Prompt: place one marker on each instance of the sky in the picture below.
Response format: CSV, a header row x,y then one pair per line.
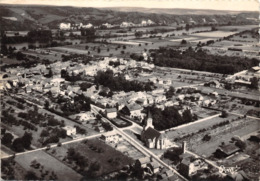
x,y
236,5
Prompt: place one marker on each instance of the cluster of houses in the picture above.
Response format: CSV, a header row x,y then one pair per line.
x,y
77,26
143,23
74,26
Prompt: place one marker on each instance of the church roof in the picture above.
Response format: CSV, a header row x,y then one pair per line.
x,y
151,133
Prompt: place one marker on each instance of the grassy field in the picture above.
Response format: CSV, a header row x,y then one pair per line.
x,y
196,127
214,34
86,149
209,147
49,164
221,134
115,48
239,28
9,61
52,56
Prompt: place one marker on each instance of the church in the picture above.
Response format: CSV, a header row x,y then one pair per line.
x,y
151,137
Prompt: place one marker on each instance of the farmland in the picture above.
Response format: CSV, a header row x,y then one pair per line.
x,y
241,127
93,151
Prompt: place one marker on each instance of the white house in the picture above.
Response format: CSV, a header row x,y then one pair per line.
x,y
110,137
108,25
143,23
65,26
159,98
87,26
86,116
111,113
150,22
70,131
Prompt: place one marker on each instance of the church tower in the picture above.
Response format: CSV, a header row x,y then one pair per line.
x,y
149,122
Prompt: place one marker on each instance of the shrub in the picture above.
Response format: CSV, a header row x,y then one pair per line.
x,y
206,137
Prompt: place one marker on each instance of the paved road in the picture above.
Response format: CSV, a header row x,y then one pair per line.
x,y
237,114
54,145
133,123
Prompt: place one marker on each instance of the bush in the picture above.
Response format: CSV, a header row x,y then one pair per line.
x,y
7,139
240,144
206,137
18,145
224,114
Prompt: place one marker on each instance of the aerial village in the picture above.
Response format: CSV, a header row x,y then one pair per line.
x,y
80,112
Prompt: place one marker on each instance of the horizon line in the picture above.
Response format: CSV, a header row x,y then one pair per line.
x,y
97,7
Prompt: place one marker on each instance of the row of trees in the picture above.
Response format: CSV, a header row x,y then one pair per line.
x,y
32,36
19,144
200,60
48,136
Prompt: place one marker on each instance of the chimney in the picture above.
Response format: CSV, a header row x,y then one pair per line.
x,y
184,146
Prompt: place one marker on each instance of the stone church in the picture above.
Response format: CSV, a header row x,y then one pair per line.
x,y
151,137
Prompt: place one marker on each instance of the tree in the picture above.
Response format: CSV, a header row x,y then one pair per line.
x,y
26,140
46,104
206,137
63,73
224,114
254,83
138,34
170,92
50,74
240,144
3,130
93,169
30,175
187,27
183,42
7,139
4,49
18,145
187,116
44,133
20,56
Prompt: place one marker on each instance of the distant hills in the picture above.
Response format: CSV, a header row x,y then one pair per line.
x,y
26,17
176,11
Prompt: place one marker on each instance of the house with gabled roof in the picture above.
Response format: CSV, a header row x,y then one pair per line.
x,y
133,110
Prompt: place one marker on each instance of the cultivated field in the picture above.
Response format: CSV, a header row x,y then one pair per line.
x,y
49,164
236,28
214,34
94,150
